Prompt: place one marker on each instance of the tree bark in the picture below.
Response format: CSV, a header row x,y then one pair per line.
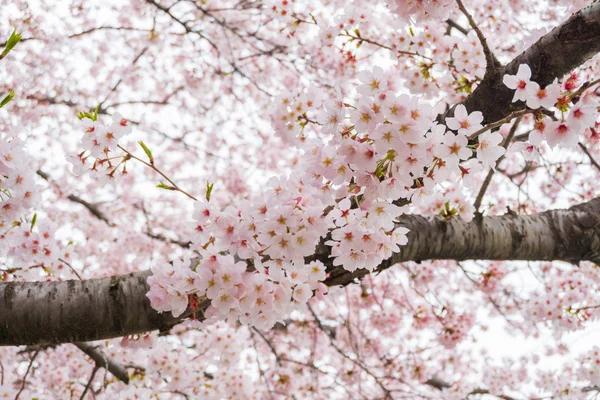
x,y
80,311
77,311
571,235
566,47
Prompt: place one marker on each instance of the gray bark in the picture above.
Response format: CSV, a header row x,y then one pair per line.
x,y
77,311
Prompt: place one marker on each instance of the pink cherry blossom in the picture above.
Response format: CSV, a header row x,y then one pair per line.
x,y
546,97
463,122
248,173
489,149
520,83
562,133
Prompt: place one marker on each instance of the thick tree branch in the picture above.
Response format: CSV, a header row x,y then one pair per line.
x,y
571,235
76,311
72,311
566,47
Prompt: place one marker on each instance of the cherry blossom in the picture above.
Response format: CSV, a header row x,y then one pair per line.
x,y
489,149
463,122
256,167
562,133
546,97
521,83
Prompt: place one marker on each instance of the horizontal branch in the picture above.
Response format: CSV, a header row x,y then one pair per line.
x,y
571,235
75,311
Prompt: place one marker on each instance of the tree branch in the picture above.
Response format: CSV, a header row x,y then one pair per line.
x,y
589,155
104,361
488,178
491,62
74,311
566,47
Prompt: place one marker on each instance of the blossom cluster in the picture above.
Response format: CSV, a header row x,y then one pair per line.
x,y
25,240
456,327
421,9
381,337
252,266
358,162
99,143
568,301
575,114
589,368
18,193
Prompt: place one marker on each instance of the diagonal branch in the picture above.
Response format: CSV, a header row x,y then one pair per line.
x,y
566,47
96,212
589,155
104,361
492,63
492,171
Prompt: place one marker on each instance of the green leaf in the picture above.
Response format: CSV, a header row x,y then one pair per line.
x,y
92,114
85,114
33,221
163,185
209,189
11,43
147,151
7,99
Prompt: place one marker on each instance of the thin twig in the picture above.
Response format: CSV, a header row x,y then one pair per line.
x,y
185,25
492,63
357,362
95,211
71,267
173,185
268,342
587,153
27,373
92,208
383,46
488,178
585,87
89,384
453,24
501,122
